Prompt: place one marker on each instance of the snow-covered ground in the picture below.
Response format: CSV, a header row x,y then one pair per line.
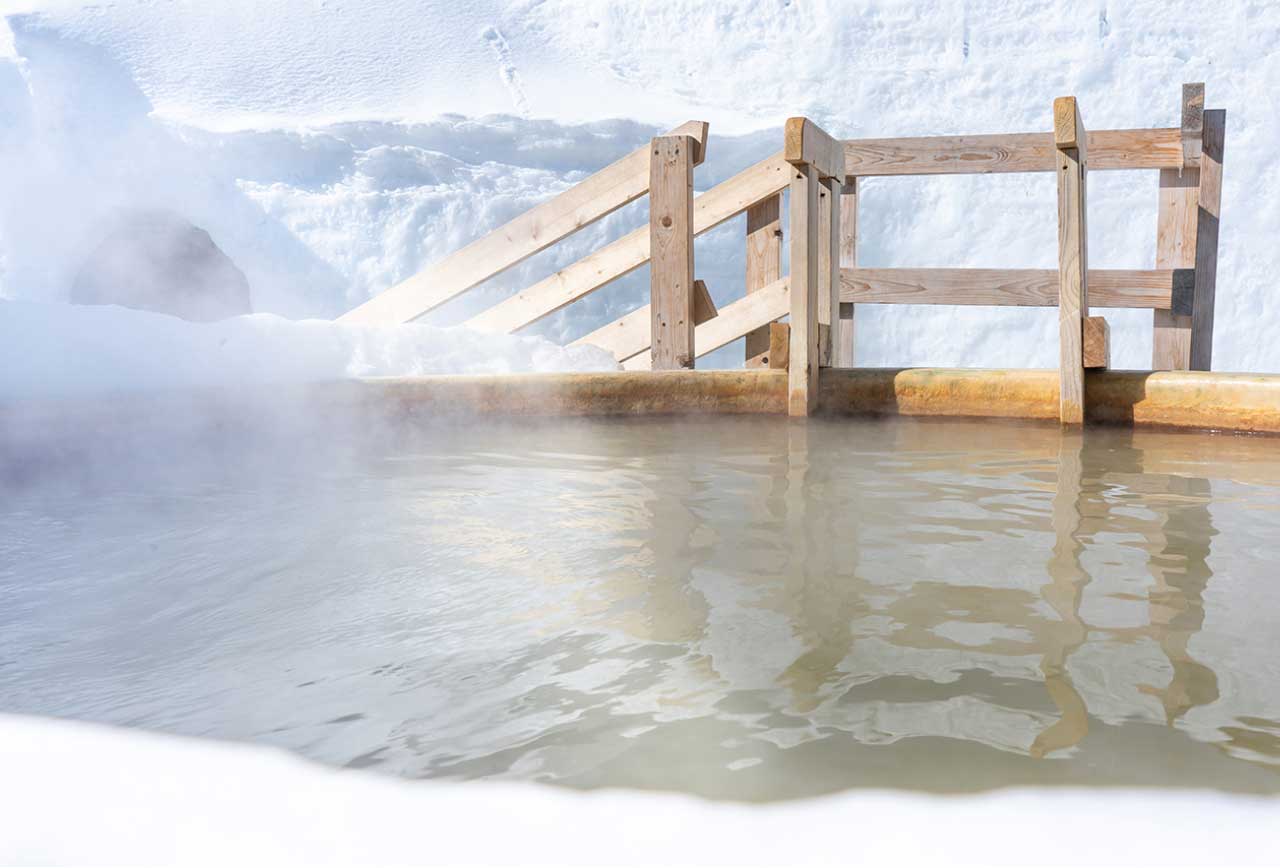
x,y
333,148
153,799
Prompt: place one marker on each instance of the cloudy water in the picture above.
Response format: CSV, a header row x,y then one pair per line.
x,y
738,608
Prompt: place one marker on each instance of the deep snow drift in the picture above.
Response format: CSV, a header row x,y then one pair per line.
x,y
334,149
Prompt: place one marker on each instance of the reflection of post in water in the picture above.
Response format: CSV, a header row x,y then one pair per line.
x,y
1064,591
1178,562
822,593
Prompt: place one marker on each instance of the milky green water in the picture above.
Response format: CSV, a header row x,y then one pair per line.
x,y
739,608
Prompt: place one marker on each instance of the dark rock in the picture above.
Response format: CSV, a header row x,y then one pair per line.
x,y
156,260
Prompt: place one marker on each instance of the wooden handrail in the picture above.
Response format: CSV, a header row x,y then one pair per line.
x,y
604,192
1158,288
1012,152
723,201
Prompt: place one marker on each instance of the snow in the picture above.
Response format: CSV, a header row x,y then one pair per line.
x,y
149,798
334,148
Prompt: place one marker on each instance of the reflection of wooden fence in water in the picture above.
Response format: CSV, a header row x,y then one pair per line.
x,y
825,283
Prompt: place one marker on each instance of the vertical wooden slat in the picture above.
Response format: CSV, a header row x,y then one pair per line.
x,y
764,265
802,373
1210,201
1176,226
848,259
829,270
671,252
1073,257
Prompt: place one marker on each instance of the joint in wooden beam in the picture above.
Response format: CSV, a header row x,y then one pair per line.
x,y
1182,298
704,307
1097,342
779,357
808,145
1192,123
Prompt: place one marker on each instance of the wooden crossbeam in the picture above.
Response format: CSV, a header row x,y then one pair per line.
x,y
1012,152
807,144
732,322
720,203
538,228
1164,288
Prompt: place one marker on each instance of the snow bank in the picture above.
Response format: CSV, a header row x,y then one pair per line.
x,y
80,793
55,350
316,143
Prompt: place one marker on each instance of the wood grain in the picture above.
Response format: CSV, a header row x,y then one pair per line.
x,y
720,203
1207,215
848,260
1073,257
1010,152
764,265
828,268
1097,342
704,306
1014,287
538,228
802,374
1192,123
671,253
1176,223
807,144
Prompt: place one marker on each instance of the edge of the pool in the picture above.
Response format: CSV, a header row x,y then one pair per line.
x,y
1169,399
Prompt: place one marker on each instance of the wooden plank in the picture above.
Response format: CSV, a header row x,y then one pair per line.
x,y
828,268
1073,257
671,253
848,260
1013,287
807,144
704,306
1009,152
1207,214
1177,217
1192,123
734,321
631,251
802,375
538,228
1097,342
779,346
764,265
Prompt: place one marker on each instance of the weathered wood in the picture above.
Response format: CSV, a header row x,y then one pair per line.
x,y
538,228
631,251
802,208
1097,342
828,269
764,264
1192,123
848,260
671,291
1073,257
1177,217
704,306
807,144
1010,152
733,321
1207,214
779,346
1020,287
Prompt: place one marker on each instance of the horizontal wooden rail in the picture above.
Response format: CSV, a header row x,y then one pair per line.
x,y
720,203
603,193
1162,288
733,321
1013,152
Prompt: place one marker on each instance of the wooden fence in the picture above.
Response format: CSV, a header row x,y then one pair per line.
x,y
820,174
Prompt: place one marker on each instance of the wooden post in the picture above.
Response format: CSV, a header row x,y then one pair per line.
x,y
671,252
802,370
828,270
1177,218
1097,342
764,265
848,259
1210,202
1073,257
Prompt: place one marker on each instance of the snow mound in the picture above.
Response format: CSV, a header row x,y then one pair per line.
x,y
76,793
56,350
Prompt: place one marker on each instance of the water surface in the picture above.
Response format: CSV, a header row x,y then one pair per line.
x,y
739,608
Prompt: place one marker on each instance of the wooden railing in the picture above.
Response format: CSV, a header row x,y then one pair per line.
x,y
819,296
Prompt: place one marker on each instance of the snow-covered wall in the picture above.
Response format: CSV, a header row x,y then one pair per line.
x,y
333,148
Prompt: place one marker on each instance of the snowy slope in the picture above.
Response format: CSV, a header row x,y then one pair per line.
x,y
333,148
